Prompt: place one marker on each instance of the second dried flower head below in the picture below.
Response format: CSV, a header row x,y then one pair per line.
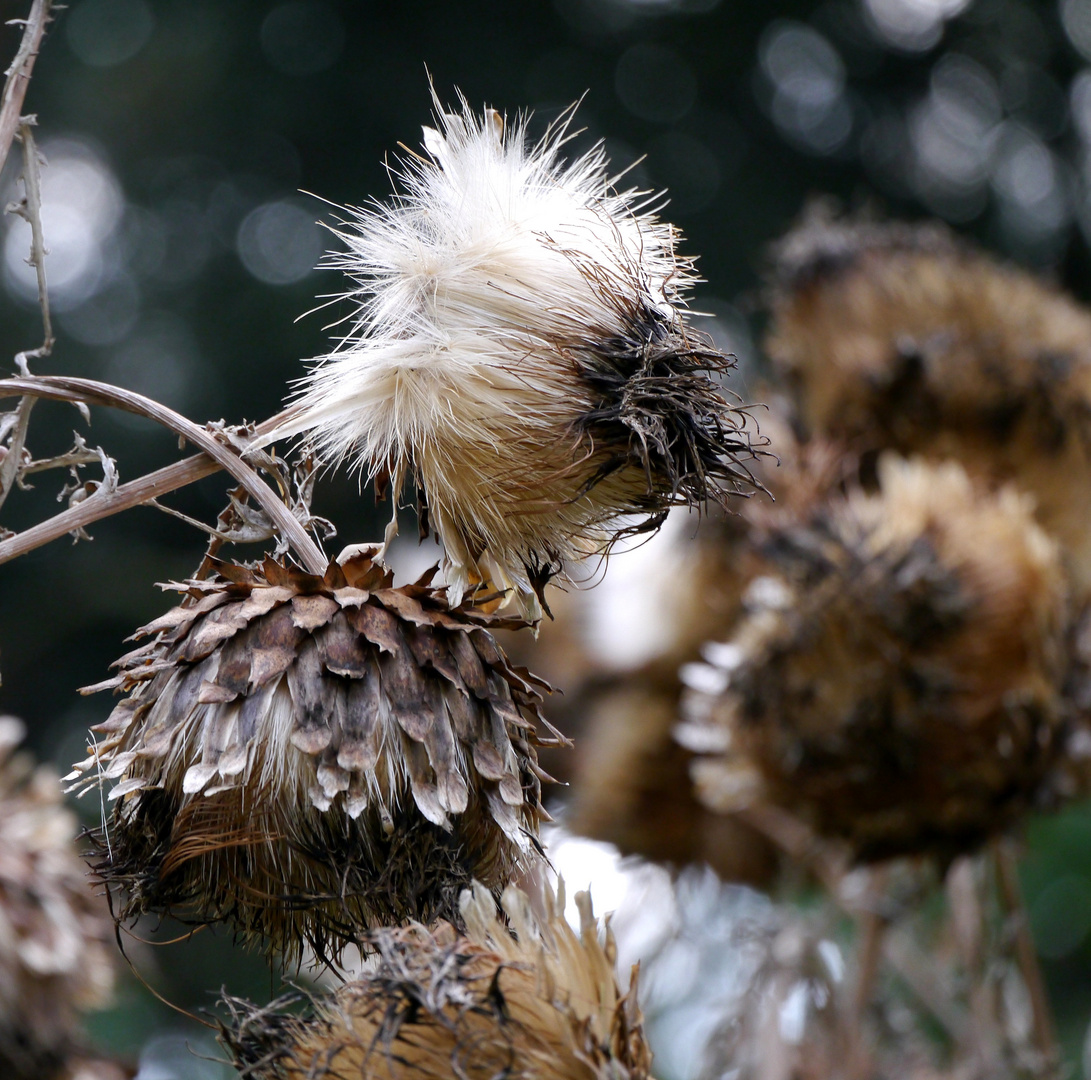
x,y
309,757
521,996
519,347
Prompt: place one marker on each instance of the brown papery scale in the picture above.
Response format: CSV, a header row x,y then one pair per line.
x,y
308,757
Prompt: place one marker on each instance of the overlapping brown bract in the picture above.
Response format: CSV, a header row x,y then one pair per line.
x,y
311,757
56,938
899,678
533,1002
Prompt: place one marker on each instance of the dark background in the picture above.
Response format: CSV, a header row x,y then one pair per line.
x,y
180,134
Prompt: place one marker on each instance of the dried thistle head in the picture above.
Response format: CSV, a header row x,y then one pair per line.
x,y
56,936
520,348
522,997
906,338
899,679
309,757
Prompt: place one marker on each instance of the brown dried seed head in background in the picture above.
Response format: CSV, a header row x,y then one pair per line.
x,y
56,937
533,1002
906,338
310,757
632,783
898,681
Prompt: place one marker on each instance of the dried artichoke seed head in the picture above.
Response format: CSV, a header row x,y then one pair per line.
x,y
308,757
529,1000
522,348
898,681
906,338
56,937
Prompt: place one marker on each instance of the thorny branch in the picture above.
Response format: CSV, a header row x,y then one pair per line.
x,y
30,208
18,74
226,457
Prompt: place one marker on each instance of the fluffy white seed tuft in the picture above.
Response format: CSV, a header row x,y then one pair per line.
x,y
506,302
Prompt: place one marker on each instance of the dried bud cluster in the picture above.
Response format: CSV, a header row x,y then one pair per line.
x,y
308,757
56,937
520,348
533,1002
894,337
898,680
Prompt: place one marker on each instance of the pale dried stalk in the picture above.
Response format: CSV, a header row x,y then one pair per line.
x,y
124,497
9,465
69,389
31,211
18,74
1011,896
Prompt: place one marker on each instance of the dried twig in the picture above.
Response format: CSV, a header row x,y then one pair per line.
x,y
12,460
30,209
135,493
69,389
1011,896
18,74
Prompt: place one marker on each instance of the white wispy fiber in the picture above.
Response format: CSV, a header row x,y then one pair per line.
x,y
519,348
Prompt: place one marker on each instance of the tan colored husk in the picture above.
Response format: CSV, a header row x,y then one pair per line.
x,y
56,936
899,679
310,757
906,338
529,999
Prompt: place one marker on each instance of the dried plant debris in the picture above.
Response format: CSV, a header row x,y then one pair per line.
x,y
523,997
521,348
310,757
906,338
56,936
899,679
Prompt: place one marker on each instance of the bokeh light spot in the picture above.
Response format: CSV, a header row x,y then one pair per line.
x,y
911,25
279,242
104,33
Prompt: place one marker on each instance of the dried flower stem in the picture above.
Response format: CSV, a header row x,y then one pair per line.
x,y
18,74
69,389
1011,896
31,210
124,497
871,929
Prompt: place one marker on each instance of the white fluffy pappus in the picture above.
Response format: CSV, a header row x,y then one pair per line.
x,y
518,346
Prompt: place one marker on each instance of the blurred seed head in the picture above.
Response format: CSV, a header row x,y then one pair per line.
x,y
310,757
903,337
898,680
632,784
521,995
519,345
56,936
